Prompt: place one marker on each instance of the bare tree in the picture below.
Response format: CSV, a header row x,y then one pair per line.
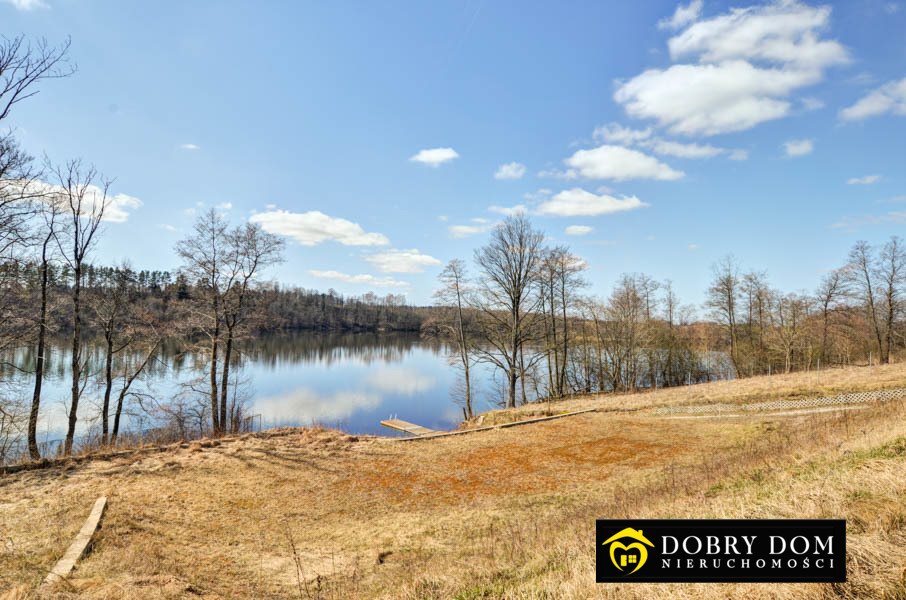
x,y
831,291
23,64
225,263
862,275
453,293
891,272
723,297
560,279
204,256
250,249
128,375
629,332
756,297
83,193
121,329
508,267
790,310
49,214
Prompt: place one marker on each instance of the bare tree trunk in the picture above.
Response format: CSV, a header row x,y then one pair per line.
x,y
39,361
464,356
108,387
522,374
121,397
127,383
561,383
76,363
514,364
215,412
511,394
225,378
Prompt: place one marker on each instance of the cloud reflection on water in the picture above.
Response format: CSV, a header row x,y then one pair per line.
x,y
305,405
401,381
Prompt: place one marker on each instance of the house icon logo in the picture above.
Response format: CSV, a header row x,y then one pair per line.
x,y
624,555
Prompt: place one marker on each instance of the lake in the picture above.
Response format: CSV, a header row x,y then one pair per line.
x,y
350,381
347,381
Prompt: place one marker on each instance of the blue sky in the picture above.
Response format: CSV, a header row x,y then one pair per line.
x,y
385,138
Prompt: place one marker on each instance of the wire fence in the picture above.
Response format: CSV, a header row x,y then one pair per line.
x,y
799,403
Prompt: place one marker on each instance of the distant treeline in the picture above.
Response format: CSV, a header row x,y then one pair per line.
x,y
166,297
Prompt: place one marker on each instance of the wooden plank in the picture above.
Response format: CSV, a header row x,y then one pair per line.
x,y
79,545
440,434
400,425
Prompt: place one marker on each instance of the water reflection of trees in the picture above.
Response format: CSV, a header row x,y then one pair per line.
x,y
328,349
175,358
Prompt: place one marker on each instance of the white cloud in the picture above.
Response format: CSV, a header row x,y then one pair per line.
x,y
749,61
434,157
538,195
168,227
577,202
867,180
669,148
682,16
401,261
117,207
578,230
895,217
619,163
513,170
508,210
693,247
189,147
224,206
26,5
481,225
314,227
812,103
464,231
364,279
616,133
711,99
889,98
785,32
798,147
739,155
558,174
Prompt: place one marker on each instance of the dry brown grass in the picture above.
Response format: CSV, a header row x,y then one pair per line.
x,y
498,514
814,384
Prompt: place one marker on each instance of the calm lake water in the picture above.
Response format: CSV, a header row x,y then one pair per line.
x,y
350,381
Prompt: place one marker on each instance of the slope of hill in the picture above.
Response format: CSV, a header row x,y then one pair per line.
x,y
505,513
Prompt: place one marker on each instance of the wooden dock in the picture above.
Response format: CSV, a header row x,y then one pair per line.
x,y
407,427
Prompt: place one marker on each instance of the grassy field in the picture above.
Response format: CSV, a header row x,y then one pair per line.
x,y
506,513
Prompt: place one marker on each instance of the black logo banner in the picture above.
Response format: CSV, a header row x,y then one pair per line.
x,y
721,550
